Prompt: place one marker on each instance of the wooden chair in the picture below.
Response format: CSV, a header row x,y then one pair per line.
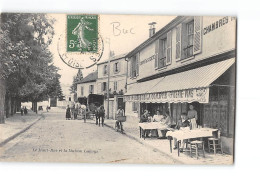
x,y
196,146
215,143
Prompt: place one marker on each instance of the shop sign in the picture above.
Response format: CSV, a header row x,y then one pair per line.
x,y
189,95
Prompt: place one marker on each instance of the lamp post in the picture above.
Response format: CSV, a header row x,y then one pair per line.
x,y
108,76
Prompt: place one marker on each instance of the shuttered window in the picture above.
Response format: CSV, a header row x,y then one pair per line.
x,y
105,70
82,90
178,42
137,63
117,67
91,89
169,48
156,54
197,35
115,85
104,86
134,64
188,49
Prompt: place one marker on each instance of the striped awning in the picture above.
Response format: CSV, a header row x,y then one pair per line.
x,y
171,88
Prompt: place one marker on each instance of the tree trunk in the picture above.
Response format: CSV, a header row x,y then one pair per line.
x,y
2,101
12,106
34,106
7,105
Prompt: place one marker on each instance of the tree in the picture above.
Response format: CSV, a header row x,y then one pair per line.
x,y
77,78
26,62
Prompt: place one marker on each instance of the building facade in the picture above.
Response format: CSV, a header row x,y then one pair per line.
x,y
116,70
87,85
189,61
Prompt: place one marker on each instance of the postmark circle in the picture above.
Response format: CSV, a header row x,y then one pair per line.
x,y
80,60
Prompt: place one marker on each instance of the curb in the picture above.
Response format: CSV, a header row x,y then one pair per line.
x,y
20,132
147,145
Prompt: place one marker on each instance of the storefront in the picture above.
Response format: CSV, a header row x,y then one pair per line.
x,y
210,89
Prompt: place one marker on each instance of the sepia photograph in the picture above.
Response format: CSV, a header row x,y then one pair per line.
x,y
131,89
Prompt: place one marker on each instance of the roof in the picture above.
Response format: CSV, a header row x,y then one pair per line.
x,y
162,31
92,77
113,58
196,78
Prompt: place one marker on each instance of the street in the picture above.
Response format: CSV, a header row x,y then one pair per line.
x,y
54,139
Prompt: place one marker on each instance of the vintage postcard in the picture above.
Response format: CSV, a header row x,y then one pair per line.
x,y
134,89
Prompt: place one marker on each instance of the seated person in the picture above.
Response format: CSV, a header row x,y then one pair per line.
x,y
166,120
182,123
144,117
157,117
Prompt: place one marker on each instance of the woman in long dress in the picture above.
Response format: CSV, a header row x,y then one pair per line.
x,y
193,116
68,115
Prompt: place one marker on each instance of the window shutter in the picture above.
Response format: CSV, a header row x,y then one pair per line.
x,y
156,54
118,66
169,48
137,63
178,42
131,67
197,35
114,67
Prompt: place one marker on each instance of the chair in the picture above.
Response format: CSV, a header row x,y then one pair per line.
x,y
196,146
215,143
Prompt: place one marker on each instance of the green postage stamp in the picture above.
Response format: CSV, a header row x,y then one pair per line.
x,y
82,33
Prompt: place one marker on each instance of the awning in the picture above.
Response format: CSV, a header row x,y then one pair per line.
x,y
188,86
143,87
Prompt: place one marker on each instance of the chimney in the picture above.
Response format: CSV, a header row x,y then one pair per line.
x,y
152,28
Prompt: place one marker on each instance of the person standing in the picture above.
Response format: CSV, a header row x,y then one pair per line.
x,y
192,116
25,111
120,112
21,110
101,114
68,116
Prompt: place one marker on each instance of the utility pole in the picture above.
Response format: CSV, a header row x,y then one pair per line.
x,y
108,76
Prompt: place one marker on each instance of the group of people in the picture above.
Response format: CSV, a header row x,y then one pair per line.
x,y
164,119
76,109
73,111
187,120
24,110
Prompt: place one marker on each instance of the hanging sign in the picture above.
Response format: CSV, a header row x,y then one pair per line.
x,y
200,95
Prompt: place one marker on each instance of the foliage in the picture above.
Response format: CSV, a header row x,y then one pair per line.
x,y
26,61
73,87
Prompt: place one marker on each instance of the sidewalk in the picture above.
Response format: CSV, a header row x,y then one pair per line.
x,y
16,125
162,145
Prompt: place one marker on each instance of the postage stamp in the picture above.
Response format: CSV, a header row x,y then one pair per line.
x,y
82,33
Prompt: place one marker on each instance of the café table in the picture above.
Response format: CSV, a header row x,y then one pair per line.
x,y
145,126
186,133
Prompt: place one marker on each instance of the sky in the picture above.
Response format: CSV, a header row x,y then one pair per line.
x,y
124,31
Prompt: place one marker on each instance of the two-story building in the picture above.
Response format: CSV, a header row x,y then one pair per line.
x,y
116,69
189,61
87,86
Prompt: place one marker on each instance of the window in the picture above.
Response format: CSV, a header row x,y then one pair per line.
x,y
189,38
105,70
82,91
91,89
116,67
188,49
163,51
115,85
134,66
135,106
162,54
104,86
